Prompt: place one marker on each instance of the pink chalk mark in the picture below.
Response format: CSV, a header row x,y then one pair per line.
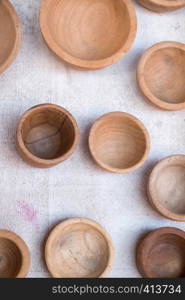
x,y
28,212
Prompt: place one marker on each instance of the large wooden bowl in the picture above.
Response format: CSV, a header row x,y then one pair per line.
x,y
161,75
162,5
166,187
14,256
88,34
10,34
79,247
161,253
119,142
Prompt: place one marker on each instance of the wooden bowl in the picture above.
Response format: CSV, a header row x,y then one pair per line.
x,y
14,256
79,247
166,187
119,142
47,134
161,75
162,5
161,254
10,34
88,34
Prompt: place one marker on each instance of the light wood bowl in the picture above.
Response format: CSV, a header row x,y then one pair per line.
x,y
88,34
14,256
47,134
10,34
161,254
166,187
119,142
162,5
79,247
161,75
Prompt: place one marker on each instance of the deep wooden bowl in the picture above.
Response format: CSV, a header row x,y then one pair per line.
x,y
47,134
162,5
161,75
79,247
119,142
166,187
88,34
161,253
14,256
10,34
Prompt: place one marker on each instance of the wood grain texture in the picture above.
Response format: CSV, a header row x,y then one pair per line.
x,y
88,34
10,34
162,5
79,247
160,254
119,142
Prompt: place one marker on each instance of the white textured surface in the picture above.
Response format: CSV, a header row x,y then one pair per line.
x,y
78,187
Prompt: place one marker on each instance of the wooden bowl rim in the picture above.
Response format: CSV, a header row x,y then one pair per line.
x,y
154,201
92,223
23,248
141,127
42,161
17,42
150,237
83,63
168,3
141,78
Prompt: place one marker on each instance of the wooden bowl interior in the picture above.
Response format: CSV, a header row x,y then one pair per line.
x,y
7,33
48,133
86,29
164,74
79,250
10,259
118,142
165,256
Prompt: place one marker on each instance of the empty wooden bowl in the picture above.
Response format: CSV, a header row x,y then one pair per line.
x,y
161,253
47,134
79,247
88,34
119,142
14,256
161,75
166,187
162,5
10,34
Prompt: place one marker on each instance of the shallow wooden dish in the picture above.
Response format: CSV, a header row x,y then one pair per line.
x,y
161,75
14,256
119,142
162,5
161,253
79,247
10,34
166,187
47,134
88,34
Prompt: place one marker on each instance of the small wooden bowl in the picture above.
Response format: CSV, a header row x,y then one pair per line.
x,y
119,142
47,134
166,187
161,75
79,247
14,256
10,34
161,254
162,5
88,34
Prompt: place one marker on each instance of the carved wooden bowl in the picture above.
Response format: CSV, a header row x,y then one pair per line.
x,y
119,142
10,34
161,75
47,135
161,254
79,247
162,5
88,34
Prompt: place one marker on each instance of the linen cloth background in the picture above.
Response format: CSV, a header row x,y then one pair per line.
x,y
33,200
